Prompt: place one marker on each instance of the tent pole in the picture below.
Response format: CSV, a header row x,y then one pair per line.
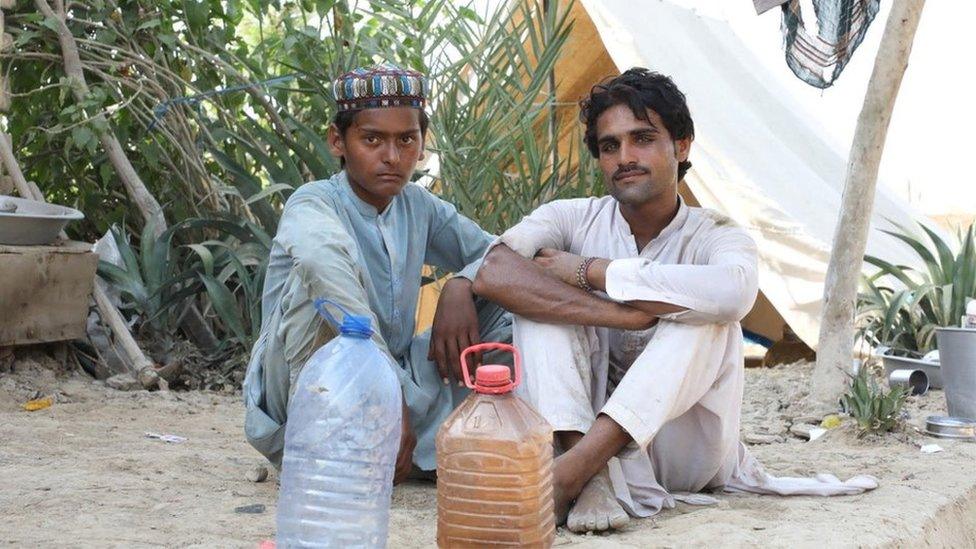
x,y
836,341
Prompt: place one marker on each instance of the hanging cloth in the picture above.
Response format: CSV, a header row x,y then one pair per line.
x,y
818,57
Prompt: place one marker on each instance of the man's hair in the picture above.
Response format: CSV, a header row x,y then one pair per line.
x,y
639,89
343,121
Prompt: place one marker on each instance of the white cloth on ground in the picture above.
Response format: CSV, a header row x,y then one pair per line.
x,y
676,388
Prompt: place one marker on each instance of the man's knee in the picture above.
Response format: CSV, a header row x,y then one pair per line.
x,y
554,344
525,328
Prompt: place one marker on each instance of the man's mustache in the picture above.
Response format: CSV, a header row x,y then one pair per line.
x,y
624,171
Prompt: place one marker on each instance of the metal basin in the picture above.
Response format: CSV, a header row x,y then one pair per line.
x,y
30,223
951,427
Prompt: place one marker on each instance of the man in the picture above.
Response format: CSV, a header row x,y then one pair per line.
x,y
627,316
361,239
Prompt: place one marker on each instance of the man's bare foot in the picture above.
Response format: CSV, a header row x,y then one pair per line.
x,y
596,508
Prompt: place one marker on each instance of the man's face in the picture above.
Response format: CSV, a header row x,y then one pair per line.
x,y
381,149
638,158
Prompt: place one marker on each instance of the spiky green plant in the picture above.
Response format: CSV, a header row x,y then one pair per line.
x,y
873,408
146,279
901,307
159,280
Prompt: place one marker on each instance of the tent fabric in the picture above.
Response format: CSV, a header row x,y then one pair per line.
x,y
758,157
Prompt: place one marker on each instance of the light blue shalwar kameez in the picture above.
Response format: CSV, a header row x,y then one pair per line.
x,y
332,244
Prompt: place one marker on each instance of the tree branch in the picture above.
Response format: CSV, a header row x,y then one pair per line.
x,y
146,203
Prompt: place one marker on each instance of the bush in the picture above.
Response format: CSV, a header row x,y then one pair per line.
x,y
224,156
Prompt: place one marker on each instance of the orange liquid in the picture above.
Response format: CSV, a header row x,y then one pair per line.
x,y
494,475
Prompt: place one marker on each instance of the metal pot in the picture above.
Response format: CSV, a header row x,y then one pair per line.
x,y
30,223
957,357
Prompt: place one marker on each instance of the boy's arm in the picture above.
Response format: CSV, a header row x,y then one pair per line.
x,y
322,255
456,244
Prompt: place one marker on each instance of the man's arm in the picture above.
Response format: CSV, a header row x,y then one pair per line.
x,y
721,290
523,287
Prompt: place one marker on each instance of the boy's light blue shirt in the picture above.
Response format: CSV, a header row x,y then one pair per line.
x,y
332,244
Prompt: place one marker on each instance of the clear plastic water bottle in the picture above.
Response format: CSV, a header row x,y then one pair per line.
x,y
341,443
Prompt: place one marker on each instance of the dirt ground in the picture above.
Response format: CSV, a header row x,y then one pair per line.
x,y
83,473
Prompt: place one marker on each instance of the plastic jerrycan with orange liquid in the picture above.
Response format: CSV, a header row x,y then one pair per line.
x,y
494,464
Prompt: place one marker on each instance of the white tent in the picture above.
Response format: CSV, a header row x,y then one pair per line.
x,y
758,157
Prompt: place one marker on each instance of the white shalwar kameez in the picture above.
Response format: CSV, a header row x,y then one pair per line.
x,y
675,388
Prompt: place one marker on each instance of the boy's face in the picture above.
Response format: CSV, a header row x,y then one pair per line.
x,y
381,149
638,158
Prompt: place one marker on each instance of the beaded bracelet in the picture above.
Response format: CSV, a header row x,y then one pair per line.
x,y
581,280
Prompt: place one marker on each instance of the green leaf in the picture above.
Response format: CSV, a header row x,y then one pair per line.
x,y
82,136
226,306
946,259
197,14
935,270
964,277
206,258
51,23
150,24
154,256
899,272
268,191
125,282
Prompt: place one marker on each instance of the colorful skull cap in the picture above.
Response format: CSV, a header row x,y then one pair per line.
x,y
380,86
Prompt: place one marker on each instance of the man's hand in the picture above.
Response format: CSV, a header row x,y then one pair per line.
x,y
408,441
455,328
558,264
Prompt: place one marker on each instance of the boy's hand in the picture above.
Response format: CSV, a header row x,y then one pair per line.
x,y
455,328
408,441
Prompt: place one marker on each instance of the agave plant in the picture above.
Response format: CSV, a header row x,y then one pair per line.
x,y
901,307
158,280
874,409
148,281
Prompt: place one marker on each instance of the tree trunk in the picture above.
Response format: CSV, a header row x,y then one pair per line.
x,y
136,189
836,343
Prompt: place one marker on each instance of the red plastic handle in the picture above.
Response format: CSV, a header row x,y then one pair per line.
x,y
481,347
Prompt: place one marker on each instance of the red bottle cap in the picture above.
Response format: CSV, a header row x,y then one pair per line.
x,y
493,379
492,375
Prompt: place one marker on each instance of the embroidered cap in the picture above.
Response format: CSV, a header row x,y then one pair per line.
x,y
379,86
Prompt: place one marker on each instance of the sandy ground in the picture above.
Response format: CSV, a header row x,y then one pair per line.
x,y
82,473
